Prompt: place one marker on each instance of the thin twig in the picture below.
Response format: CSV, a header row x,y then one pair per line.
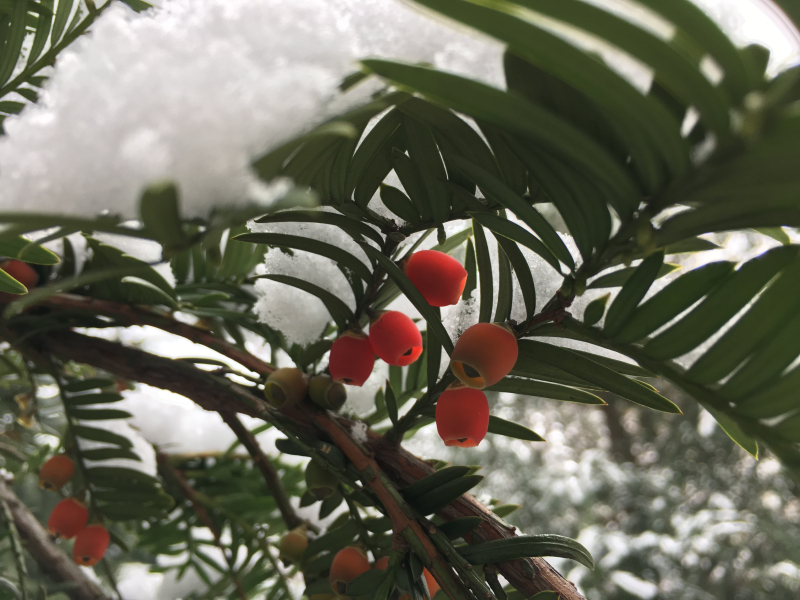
x,y
268,472
190,494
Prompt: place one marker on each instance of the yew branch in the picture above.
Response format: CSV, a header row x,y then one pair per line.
x,y
217,394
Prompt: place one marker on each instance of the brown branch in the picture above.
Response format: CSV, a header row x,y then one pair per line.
x,y
403,522
134,315
271,477
529,576
201,512
52,559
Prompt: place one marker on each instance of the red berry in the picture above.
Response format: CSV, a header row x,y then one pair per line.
x,y
90,545
439,277
348,564
484,354
395,338
55,472
352,358
462,416
68,517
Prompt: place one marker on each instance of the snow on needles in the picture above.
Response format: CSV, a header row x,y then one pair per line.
x,y
195,90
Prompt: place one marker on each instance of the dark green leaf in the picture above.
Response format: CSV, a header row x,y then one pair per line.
x,y
98,414
14,36
484,273
425,154
594,372
366,583
333,540
720,305
391,403
109,453
632,293
459,527
735,432
433,481
161,216
444,494
543,389
594,310
471,266
101,435
512,231
523,273
673,300
510,112
350,226
84,385
524,546
10,285
397,202
505,288
512,430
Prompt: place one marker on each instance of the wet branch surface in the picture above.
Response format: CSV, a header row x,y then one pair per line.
x,y
217,394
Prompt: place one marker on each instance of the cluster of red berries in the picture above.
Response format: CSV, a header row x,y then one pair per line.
x,y
68,518
483,355
22,272
392,335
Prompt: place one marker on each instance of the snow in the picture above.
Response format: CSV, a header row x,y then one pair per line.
x,y
195,90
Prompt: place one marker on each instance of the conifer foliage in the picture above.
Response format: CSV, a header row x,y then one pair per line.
x,y
569,143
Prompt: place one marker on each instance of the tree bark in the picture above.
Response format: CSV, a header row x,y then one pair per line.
x,y
52,559
217,394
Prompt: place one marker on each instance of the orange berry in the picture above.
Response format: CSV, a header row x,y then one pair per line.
x,y
462,416
484,354
22,272
382,563
395,338
55,472
439,277
348,564
433,586
286,387
352,358
293,545
90,545
68,517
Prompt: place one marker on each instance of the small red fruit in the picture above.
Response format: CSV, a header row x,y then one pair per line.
x,y
68,517
55,472
352,358
395,338
90,545
484,354
348,564
439,277
462,416
382,563
22,272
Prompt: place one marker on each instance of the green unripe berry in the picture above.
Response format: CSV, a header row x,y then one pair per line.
x,y
293,545
286,387
320,482
327,393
